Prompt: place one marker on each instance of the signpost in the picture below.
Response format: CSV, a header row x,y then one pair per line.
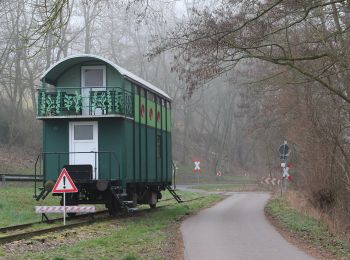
x,y
285,172
197,168
284,151
64,184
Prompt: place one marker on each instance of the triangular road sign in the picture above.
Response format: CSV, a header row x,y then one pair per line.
x,y
64,183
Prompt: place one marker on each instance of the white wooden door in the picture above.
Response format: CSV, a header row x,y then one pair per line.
x,y
83,137
93,78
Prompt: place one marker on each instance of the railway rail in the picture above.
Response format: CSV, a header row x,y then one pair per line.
x,y
19,177
50,221
86,220
25,232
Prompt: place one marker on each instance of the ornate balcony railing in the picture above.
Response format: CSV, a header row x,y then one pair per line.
x,y
95,101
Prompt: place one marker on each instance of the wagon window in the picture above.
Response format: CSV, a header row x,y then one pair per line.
x,y
159,146
150,96
83,132
142,92
93,77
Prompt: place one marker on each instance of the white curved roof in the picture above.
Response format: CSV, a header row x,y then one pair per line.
x,y
122,71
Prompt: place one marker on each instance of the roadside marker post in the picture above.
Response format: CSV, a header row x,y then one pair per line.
x,y
197,168
271,181
285,176
64,184
284,151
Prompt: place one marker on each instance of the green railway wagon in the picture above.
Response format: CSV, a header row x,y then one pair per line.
x,y
109,128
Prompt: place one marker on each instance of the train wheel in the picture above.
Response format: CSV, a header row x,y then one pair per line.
x,y
152,200
113,207
152,206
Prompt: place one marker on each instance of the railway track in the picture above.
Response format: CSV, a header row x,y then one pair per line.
x,y
50,221
24,231
19,177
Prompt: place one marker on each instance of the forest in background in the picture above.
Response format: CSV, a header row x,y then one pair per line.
x,y
208,123
244,76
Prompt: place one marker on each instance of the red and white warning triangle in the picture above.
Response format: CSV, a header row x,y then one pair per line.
x,y
64,183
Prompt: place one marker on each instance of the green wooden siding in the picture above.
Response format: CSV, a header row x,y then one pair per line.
x,y
133,142
156,169
151,114
113,77
116,135
111,138
55,139
128,150
72,77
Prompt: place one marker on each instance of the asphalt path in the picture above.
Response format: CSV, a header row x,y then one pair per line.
x,y
236,228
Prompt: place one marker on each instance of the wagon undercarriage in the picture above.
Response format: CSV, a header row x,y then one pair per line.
x,y
108,192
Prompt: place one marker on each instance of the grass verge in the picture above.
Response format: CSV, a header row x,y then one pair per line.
x,y
306,229
17,205
147,235
223,187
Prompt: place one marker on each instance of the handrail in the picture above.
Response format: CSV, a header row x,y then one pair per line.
x,y
40,156
73,88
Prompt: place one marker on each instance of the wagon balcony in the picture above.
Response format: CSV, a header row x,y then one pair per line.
x,y
84,102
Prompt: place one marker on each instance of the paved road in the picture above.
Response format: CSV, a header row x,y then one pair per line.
x,y
236,228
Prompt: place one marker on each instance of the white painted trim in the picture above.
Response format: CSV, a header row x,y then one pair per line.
x,y
95,137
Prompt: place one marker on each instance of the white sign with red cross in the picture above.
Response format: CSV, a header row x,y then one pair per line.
x,y
285,171
197,167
